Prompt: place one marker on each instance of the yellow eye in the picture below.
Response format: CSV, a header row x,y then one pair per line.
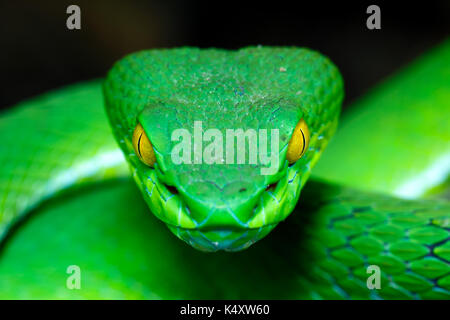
x,y
299,142
142,146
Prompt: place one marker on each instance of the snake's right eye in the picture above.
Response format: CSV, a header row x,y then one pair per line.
x,y
299,142
142,146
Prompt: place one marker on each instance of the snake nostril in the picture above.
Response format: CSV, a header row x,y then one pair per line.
x,y
242,189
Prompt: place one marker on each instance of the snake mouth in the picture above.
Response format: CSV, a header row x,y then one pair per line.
x,y
266,210
208,238
272,204
228,238
270,192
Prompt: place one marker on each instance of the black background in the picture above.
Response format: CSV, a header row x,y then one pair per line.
x,y
39,53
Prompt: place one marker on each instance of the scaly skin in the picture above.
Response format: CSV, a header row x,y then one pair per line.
x,y
48,147
321,251
404,124
222,206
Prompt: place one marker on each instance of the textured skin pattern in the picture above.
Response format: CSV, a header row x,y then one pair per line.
x,y
349,230
222,206
319,252
58,140
412,130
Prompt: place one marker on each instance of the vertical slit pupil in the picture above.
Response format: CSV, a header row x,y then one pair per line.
x,y
139,144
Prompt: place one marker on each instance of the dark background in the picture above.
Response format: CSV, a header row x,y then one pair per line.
x,y
39,53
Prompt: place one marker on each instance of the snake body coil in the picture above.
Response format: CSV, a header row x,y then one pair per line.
x,y
62,140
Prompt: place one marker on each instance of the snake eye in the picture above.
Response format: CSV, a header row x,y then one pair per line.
x,y
299,142
142,146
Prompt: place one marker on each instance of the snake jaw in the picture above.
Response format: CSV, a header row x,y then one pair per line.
x,y
273,204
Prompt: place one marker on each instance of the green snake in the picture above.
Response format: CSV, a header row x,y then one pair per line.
x,y
68,162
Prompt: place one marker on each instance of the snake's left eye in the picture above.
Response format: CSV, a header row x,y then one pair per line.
x,y
299,142
142,146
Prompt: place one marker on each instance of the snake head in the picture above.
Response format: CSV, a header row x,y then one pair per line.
x,y
219,142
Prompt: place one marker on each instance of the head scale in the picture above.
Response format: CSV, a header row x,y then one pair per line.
x,y
162,103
